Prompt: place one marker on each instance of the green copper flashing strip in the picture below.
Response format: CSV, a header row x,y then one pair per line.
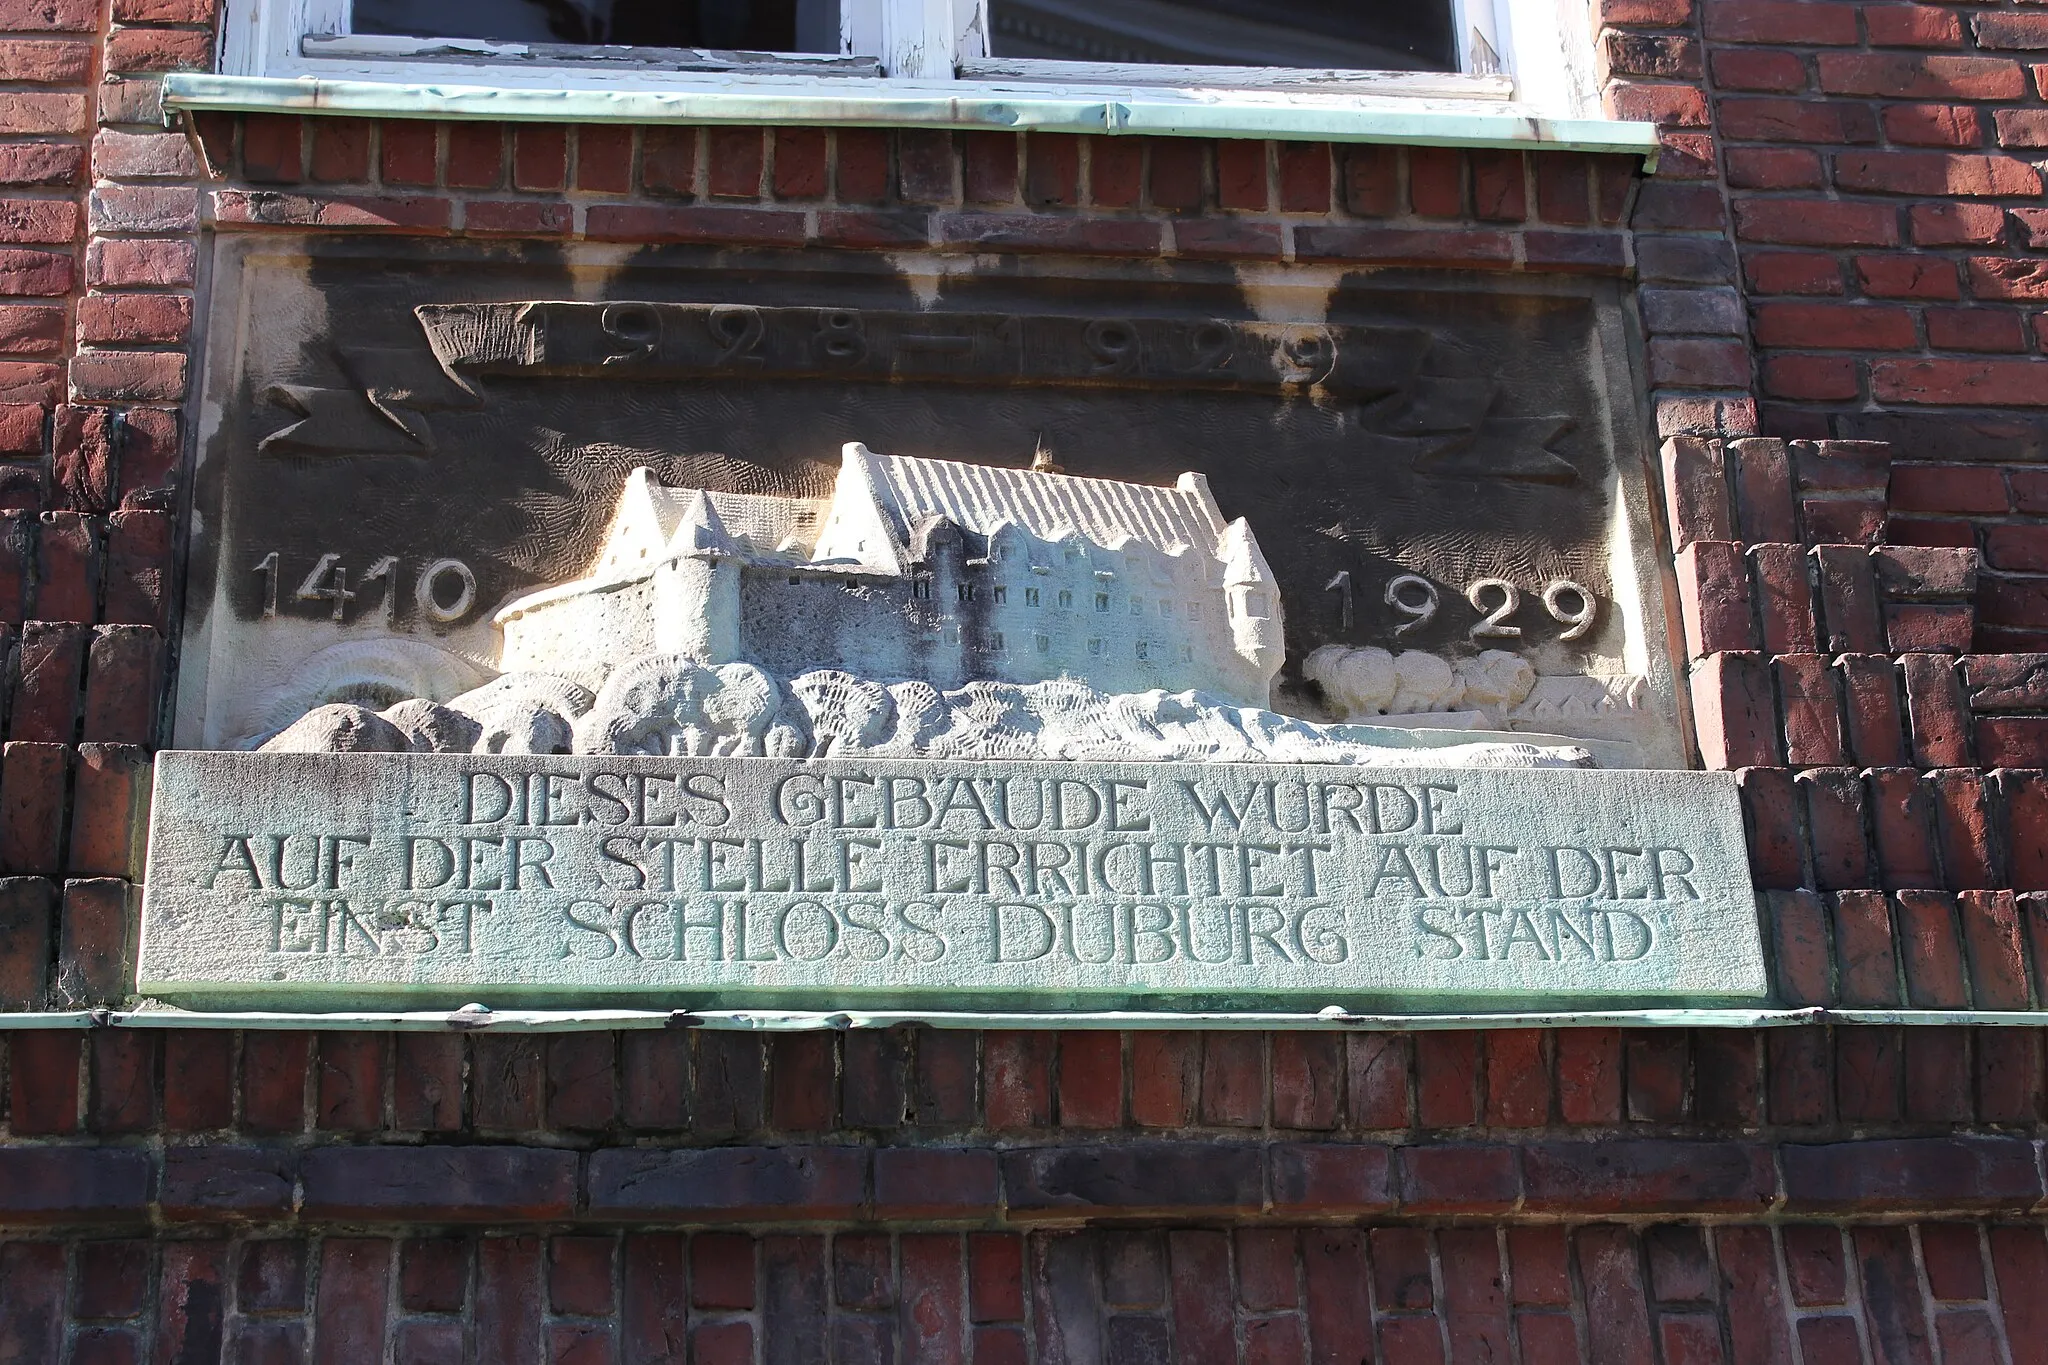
x,y
876,104
478,1020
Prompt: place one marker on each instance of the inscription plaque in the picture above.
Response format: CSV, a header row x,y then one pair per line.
x,y
432,880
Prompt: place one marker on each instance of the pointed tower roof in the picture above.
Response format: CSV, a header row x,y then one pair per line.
x,y
1243,562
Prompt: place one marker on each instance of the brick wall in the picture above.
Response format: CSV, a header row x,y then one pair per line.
x,y
1834,251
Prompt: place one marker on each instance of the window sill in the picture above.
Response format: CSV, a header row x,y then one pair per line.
x,y
1016,107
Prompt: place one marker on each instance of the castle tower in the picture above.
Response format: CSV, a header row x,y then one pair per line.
x,y
697,589
1253,599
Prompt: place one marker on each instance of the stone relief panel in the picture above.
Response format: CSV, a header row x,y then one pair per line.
x,y
684,501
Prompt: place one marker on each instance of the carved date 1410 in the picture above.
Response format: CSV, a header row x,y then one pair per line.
x,y
443,591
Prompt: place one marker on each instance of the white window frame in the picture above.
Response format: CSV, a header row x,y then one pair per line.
x,y
1523,57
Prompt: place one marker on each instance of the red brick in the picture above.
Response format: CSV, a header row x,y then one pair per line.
x,y
1657,1068
1796,222
1930,951
1904,277
1777,22
51,661
1774,168
1932,125
1911,77
1936,711
123,673
1165,1078
1902,807
1714,596
1974,329
1793,272
1372,181
1837,817
476,156
274,1082
1796,1064
1242,178
540,156
1202,1317
1393,246
648,223
2020,128
2019,1260
604,158
1091,1088
1304,174
119,319
42,1082
1175,174
1962,815
118,263
1771,803
350,1303
508,1299
1377,1069
27,941
1116,172
1813,378
995,1277
1307,1079
32,782
1925,174
1589,1075
427,1083
1812,712
152,49
1737,69
2008,1075
128,376
410,152
1912,26
1864,949
2024,32
350,1082
199,1087
862,156
1617,1321
1517,1079
1804,961
925,163
1446,1069
1697,501
736,161
1834,325
1734,711
1666,104
1018,1079
1869,1070
1997,277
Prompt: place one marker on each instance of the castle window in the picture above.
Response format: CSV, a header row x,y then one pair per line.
x,y
794,580
1187,654
1102,601
921,588
1144,649
1165,607
1255,604
1066,598
1045,644
995,640
1095,647
1030,597
965,592
1002,594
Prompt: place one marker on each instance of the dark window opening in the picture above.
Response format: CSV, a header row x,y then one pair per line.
x,y
1370,35
728,25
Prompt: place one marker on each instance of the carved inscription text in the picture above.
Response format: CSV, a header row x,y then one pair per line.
x,y
756,880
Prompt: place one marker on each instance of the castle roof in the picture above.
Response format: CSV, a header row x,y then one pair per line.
x,y
908,489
